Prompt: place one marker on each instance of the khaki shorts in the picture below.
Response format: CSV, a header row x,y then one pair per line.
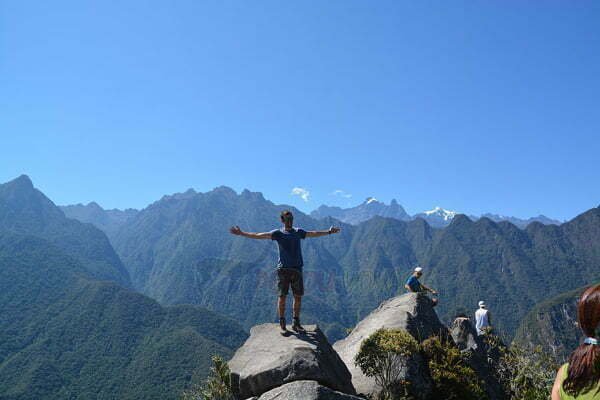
x,y
287,277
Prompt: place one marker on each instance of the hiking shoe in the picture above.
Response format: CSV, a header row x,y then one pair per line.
x,y
297,327
282,326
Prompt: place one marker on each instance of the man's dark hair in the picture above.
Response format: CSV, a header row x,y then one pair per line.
x,y
286,214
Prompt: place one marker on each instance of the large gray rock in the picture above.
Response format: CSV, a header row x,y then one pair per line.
x,y
411,312
305,390
268,360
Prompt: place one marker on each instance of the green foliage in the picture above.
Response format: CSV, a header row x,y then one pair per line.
x,y
217,385
382,355
63,335
526,374
552,324
452,376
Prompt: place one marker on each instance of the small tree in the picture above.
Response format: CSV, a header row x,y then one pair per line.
x,y
526,374
216,387
452,376
382,356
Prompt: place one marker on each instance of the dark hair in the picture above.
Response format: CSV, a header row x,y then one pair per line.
x,y
285,213
584,368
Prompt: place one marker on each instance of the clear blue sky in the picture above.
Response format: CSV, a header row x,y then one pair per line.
x,y
475,106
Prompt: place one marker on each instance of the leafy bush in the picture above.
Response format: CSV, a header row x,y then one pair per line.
x,y
382,356
217,385
526,374
452,376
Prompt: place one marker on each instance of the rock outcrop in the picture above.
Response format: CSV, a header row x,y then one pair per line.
x,y
465,336
411,312
269,360
482,357
305,390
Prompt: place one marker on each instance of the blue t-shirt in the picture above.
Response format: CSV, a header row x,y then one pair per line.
x,y
414,284
290,252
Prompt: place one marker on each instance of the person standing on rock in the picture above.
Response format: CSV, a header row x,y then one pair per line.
x,y
483,321
290,263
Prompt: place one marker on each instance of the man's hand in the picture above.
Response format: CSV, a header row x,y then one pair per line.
x,y
331,230
235,230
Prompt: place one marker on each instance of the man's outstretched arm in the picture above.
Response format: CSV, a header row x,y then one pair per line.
x,y
428,289
330,231
252,235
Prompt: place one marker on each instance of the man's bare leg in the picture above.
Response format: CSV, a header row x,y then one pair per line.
x,y
281,310
281,306
297,305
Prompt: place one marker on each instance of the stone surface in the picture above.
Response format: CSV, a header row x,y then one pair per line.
x,y
465,335
481,356
268,360
305,390
411,312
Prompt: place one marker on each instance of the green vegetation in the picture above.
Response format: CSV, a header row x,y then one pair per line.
x,y
63,335
382,356
216,387
25,210
552,325
386,354
453,378
527,374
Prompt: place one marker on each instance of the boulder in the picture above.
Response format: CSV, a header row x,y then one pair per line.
x,y
412,312
269,359
482,358
464,335
305,390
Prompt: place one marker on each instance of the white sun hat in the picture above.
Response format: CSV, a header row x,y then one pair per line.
x,y
481,303
418,269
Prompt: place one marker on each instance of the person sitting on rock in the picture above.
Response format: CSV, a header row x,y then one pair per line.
x,y
483,319
413,285
289,265
579,379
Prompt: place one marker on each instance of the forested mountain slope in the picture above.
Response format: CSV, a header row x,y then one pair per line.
x,y
26,210
552,324
63,335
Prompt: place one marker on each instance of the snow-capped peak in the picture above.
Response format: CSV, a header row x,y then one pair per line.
x,y
440,212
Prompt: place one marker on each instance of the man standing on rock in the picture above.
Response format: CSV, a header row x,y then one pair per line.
x,y
483,321
289,266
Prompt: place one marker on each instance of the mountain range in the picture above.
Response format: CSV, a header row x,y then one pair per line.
x,y
178,251
136,311
70,325
438,217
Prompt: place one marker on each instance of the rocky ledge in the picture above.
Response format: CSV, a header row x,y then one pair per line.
x,y
270,360
411,312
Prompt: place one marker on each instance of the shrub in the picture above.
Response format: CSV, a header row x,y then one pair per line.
x,y
382,356
451,374
526,374
216,387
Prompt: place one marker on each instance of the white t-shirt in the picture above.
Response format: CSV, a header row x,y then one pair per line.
x,y
481,320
